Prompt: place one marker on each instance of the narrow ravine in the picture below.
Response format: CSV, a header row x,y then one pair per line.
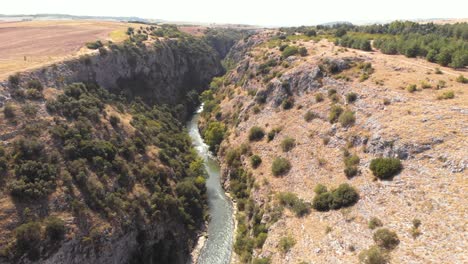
x,y
218,246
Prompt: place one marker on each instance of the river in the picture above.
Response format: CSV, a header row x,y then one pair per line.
x,y
218,246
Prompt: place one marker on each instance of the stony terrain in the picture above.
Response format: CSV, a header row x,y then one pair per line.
x,y
429,136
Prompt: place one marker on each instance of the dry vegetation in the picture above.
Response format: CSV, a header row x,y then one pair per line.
x,y
432,186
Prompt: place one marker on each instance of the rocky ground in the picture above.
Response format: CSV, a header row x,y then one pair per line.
x,y
429,135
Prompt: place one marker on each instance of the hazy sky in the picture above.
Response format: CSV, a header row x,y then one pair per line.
x,y
258,12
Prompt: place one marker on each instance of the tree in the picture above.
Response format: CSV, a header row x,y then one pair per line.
x,y
256,133
214,135
385,168
55,228
280,166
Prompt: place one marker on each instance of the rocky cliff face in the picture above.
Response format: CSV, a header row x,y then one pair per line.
x,y
168,72
161,73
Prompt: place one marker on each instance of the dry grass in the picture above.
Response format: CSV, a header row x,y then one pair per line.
x,y
31,44
426,189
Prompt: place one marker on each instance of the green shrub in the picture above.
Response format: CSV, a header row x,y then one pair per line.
x,y
286,243
335,113
260,239
374,222
9,111
14,80
386,239
373,255
309,116
320,188
289,51
35,84
446,95
343,196
462,79
290,200
385,168
303,51
287,144
319,97
256,133
28,236
411,88
29,109
351,97
331,92
55,228
351,163
114,120
280,166
255,161
271,135
261,260
287,103
94,45
347,118
214,135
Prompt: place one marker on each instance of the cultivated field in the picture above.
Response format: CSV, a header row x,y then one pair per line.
x,y
31,44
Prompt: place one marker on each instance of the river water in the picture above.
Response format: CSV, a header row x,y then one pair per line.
x,y
218,246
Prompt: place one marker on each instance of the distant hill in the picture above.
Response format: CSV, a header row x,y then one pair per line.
x,y
72,17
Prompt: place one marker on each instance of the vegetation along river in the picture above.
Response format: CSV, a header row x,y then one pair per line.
x,y
218,246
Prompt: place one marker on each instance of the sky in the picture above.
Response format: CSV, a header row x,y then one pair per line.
x,y
254,12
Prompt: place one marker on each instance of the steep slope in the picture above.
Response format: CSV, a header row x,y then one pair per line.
x,y
95,162
328,114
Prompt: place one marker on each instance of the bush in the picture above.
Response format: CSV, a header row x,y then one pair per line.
x,y
14,80
35,84
287,103
374,222
335,113
255,161
462,79
9,111
29,109
411,88
373,255
303,51
319,97
386,239
320,188
351,97
446,95
343,196
55,228
261,260
271,135
385,168
287,144
347,118
289,51
280,166
290,200
256,133
28,237
286,243
114,120
309,116
94,45
214,135
351,163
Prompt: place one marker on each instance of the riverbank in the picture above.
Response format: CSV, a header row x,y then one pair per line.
x,y
216,243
